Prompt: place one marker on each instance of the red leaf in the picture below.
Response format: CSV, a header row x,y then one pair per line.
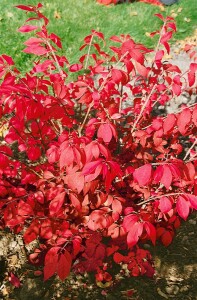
x,y
100,219
166,178
159,16
134,234
75,201
129,221
151,231
116,116
51,262
57,203
143,174
24,7
75,67
34,153
66,157
100,35
33,41
194,115
118,258
77,240
192,200
75,181
141,69
183,207
105,132
116,206
14,280
32,232
165,205
64,265
56,40
27,28
192,74
91,167
166,238
176,89
107,2
183,121
169,123
36,49
46,229
24,209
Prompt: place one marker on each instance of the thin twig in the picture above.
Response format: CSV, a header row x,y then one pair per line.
x,y
142,109
159,196
87,113
55,58
88,54
188,151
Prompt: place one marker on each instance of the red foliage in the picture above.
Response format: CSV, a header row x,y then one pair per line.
x,y
108,2
87,168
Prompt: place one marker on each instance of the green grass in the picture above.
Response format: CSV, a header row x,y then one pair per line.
x,y
78,17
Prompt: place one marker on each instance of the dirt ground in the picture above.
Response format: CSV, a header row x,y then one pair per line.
x,y
176,274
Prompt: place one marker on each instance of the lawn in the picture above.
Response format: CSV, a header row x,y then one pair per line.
x,y
72,20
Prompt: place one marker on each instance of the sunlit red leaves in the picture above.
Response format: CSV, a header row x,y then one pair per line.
x,y
135,227
193,200
27,28
32,232
116,231
53,154
57,203
106,131
87,176
194,116
165,204
163,174
108,169
26,7
143,174
57,262
100,219
169,123
69,154
75,181
192,74
107,2
183,120
94,149
176,86
134,234
153,2
119,76
116,204
35,46
183,207
75,67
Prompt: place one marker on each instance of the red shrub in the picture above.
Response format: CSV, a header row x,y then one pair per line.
x,y
91,168
108,2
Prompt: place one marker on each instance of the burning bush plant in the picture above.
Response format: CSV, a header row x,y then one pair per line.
x,y
90,168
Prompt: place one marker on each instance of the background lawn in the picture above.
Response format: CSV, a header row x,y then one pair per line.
x,y
72,20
